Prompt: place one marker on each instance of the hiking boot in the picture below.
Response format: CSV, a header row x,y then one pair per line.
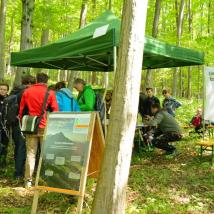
x,y
172,152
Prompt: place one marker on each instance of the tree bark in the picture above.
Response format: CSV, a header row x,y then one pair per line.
x,y
179,23
2,38
148,81
110,4
111,188
26,33
83,13
10,44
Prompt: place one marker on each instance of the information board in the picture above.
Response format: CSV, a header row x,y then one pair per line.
x,y
72,150
209,95
65,151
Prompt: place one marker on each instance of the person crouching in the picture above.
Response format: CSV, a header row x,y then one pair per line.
x,y
167,130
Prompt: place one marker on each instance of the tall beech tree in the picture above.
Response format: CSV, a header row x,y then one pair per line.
x,y
26,33
2,38
148,81
111,188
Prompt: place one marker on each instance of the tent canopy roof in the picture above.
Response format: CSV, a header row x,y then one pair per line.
x,y
91,49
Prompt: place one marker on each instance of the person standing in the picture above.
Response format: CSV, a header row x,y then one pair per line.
x,y
65,99
18,138
86,97
148,102
4,129
33,98
170,104
167,130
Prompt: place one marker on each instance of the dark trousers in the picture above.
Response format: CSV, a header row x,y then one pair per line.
x,y
4,140
162,141
20,150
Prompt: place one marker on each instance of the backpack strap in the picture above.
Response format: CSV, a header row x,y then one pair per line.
x,y
43,106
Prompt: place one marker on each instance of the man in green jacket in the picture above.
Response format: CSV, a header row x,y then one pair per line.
x,y
86,98
167,130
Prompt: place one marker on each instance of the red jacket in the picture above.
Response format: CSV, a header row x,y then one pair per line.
x,y
33,99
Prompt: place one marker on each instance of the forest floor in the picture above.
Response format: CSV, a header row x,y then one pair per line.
x,y
157,184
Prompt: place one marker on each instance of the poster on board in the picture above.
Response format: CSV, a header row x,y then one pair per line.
x,y
209,93
65,150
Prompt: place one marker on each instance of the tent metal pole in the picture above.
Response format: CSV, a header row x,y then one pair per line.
x,y
115,57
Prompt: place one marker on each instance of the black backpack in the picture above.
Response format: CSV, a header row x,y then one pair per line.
x,y
11,109
100,107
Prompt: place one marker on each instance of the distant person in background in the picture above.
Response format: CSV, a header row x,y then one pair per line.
x,y
86,97
196,121
18,138
4,129
65,99
170,104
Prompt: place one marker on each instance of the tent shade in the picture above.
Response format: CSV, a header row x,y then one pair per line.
x,y
92,49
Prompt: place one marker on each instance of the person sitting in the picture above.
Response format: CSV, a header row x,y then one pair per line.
x,y
86,97
196,122
65,99
167,130
170,104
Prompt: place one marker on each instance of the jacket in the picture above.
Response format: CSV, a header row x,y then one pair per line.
x,y
86,99
33,99
170,104
18,91
147,104
165,122
66,101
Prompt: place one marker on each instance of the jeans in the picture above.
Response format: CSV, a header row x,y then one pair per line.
x,y
4,140
162,141
32,142
20,150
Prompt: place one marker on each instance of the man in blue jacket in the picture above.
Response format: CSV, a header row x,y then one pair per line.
x,y
65,99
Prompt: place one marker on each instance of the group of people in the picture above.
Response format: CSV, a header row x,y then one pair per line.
x,y
29,99
161,120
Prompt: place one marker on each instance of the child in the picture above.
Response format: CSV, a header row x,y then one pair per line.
x,y
170,103
196,121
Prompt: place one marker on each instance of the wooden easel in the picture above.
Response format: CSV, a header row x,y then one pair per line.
x,y
91,169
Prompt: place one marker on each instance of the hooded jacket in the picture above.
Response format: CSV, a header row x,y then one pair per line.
x,y
86,99
66,101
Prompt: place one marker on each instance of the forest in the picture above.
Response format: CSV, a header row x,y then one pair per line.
x,y
145,181
184,23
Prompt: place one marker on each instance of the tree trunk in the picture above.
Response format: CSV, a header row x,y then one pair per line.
x,y
189,88
110,195
110,4
26,33
148,81
174,82
179,23
83,13
2,38
10,44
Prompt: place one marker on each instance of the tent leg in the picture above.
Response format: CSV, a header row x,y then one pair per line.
x,y
115,57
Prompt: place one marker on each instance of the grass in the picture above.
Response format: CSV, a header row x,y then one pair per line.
x,y
157,184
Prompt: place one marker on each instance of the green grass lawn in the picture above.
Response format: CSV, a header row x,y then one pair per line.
x,y
157,184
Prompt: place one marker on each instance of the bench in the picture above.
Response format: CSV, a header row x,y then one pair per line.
x,y
207,146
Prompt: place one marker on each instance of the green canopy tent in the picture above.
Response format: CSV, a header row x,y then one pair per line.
x,y
94,47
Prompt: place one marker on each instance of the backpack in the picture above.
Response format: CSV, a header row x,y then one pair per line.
x,y
100,107
11,109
